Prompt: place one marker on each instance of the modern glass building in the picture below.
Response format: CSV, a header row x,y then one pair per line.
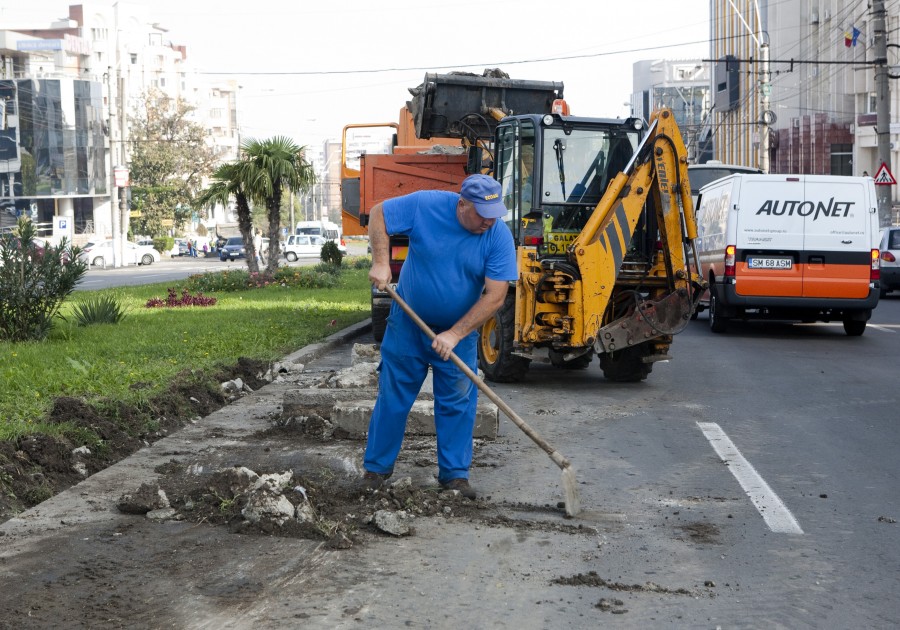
x,y
52,149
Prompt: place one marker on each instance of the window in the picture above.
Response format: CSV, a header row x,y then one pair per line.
x,y
842,159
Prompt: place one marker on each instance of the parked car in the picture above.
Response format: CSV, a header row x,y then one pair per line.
x,y
100,253
232,249
303,246
180,247
890,260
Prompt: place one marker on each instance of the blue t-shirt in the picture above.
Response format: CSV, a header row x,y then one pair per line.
x,y
444,272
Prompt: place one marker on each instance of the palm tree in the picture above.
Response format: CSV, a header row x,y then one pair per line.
x,y
268,167
227,183
265,169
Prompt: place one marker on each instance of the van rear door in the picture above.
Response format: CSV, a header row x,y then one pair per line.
x,y
837,245
769,238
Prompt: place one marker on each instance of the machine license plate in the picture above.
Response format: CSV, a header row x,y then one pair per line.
x,y
770,263
558,242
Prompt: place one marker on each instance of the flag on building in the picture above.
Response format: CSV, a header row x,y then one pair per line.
x,y
851,36
856,35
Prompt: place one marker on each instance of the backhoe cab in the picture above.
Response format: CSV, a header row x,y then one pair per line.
x,y
602,217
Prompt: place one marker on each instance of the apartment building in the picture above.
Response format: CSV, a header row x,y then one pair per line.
x,y
66,92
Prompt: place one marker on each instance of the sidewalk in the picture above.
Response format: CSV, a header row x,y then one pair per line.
x,y
76,561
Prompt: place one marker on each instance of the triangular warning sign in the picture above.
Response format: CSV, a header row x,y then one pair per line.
x,y
884,177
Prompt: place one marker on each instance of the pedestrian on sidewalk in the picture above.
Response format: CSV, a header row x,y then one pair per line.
x,y
456,275
258,247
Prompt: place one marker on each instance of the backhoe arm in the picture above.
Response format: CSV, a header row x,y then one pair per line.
x,y
658,168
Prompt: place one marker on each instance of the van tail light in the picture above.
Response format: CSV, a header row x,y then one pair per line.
x,y
343,242
875,273
888,257
729,261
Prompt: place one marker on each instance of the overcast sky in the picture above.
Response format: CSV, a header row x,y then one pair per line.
x,y
352,61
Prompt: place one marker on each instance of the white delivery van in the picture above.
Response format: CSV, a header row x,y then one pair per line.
x,y
790,247
702,174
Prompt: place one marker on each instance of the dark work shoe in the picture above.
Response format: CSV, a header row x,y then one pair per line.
x,y
462,486
373,481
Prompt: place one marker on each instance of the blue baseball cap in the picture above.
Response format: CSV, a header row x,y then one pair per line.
x,y
484,193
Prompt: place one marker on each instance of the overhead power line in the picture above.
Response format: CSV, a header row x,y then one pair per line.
x,y
461,65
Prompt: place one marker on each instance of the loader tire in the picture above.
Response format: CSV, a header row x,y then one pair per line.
x,y
379,321
578,363
495,346
627,365
718,323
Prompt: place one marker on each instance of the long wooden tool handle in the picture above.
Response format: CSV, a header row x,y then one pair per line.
x,y
555,455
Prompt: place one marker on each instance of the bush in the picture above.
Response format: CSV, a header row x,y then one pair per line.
x,y
163,243
358,262
331,254
320,277
98,310
34,282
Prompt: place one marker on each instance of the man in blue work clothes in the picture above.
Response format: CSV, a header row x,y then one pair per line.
x,y
456,275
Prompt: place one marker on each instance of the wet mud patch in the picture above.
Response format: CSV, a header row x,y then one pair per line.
x,y
703,533
100,433
617,606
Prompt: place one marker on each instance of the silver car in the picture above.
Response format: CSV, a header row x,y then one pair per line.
x,y
890,260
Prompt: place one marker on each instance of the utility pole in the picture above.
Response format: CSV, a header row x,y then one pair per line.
x,y
123,159
882,110
765,114
113,210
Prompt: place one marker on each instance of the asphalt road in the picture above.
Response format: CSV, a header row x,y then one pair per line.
x,y
751,482
170,269
764,460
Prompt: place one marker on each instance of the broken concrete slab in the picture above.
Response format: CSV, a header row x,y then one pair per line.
x,y
344,405
352,416
365,353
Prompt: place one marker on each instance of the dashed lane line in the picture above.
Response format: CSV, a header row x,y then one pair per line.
x,y
771,508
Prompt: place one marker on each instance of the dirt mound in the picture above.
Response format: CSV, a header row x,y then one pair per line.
x,y
101,433
314,506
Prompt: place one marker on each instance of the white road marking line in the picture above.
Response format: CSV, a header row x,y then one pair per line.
x,y
882,327
774,512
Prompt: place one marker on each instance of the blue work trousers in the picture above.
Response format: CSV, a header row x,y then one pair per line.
x,y
405,356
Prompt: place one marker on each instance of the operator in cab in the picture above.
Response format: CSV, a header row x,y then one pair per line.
x,y
456,275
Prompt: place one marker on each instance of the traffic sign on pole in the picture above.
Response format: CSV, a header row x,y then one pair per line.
x,y
884,177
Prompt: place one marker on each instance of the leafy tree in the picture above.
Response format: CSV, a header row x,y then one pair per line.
x,y
169,160
35,279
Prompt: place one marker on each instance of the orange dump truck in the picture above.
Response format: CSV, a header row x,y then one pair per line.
x,y
443,134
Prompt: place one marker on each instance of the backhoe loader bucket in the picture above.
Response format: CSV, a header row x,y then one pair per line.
x,y
462,105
